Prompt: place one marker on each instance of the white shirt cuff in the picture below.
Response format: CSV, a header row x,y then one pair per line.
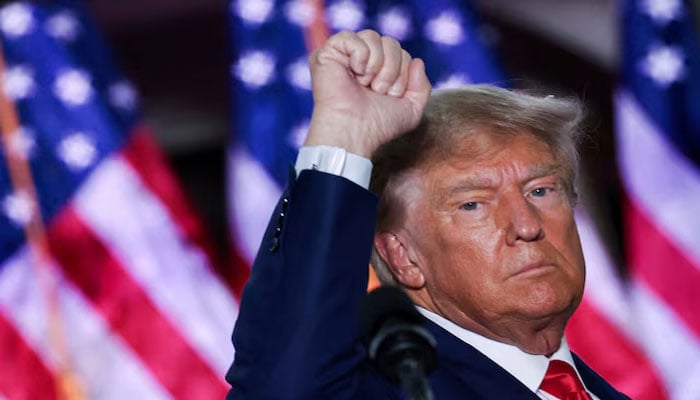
x,y
336,161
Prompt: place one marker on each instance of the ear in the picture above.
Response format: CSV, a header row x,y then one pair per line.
x,y
395,253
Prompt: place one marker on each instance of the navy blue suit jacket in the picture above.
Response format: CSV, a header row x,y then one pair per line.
x,y
296,335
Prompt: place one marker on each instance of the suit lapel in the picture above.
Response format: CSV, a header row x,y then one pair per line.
x,y
464,372
595,383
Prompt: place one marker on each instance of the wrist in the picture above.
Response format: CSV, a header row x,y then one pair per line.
x,y
345,136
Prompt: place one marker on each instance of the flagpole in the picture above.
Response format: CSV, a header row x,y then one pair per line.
x,y
68,387
317,32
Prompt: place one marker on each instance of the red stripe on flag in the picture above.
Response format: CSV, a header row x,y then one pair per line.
x,y
611,354
23,376
130,312
148,161
663,266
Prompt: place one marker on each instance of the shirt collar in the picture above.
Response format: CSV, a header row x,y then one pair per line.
x,y
527,368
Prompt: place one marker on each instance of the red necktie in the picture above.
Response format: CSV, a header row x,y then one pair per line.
x,y
561,381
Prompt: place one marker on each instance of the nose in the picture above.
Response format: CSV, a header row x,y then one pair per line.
x,y
522,220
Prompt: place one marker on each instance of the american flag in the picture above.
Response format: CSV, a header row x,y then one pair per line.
x,y
647,331
658,152
106,283
272,85
642,337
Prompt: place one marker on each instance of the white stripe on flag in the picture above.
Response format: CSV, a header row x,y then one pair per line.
x,y
669,344
253,195
658,177
603,286
138,230
113,372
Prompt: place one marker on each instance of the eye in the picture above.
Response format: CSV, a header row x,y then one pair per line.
x,y
469,206
540,192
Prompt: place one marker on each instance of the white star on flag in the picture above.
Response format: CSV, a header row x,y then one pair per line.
x,y
19,208
395,23
300,12
77,151
18,83
255,69
664,64
73,87
63,26
122,95
663,11
16,20
445,29
346,15
253,11
453,81
22,143
298,74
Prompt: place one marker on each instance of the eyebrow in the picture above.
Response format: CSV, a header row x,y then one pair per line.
x,y
483,182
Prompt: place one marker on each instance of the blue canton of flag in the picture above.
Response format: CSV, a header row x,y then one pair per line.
x,y
271,85
661,66
74,107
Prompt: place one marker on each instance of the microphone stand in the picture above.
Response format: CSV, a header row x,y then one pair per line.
x,y
412,378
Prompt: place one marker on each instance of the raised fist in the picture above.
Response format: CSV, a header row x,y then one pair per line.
x,y
367,90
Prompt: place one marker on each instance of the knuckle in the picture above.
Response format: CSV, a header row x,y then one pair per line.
x,y
368,34
338,37
390,42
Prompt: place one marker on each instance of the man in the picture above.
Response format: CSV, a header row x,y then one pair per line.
x,y
474,221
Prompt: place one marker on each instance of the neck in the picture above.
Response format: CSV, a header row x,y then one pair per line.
x,y
541,336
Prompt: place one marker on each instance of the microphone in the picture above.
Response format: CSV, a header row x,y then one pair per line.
x,y
397,343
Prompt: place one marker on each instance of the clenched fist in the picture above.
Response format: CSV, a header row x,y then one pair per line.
x,y
367,90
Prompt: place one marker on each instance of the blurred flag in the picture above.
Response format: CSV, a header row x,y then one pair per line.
x,y
655,321
658,141
271,88
106,285
272,85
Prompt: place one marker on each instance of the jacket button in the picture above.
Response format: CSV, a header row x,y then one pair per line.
x,y
275,244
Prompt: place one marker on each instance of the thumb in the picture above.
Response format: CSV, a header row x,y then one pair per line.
x,y
418,86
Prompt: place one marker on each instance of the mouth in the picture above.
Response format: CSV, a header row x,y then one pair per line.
x,y
532,269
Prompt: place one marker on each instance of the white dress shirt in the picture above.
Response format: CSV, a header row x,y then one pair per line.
x,y
529,369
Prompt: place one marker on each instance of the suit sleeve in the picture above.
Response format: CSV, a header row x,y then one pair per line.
x,y
296,334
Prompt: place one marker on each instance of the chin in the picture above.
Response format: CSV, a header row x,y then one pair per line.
x,y
544,333
547,301
559,310
544,345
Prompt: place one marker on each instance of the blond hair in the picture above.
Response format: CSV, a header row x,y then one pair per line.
x,y
450,116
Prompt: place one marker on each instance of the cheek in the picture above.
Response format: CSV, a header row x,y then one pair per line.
x,y
571,247
457,256
562,233
465,260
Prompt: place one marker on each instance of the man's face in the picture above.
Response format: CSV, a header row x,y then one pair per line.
x,y
492,231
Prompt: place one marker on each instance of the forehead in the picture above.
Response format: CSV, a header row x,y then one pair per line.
x,y
477,160
479,151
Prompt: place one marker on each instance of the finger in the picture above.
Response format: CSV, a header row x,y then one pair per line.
x,y
391,67
418,87
347,49
376,56
399,86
